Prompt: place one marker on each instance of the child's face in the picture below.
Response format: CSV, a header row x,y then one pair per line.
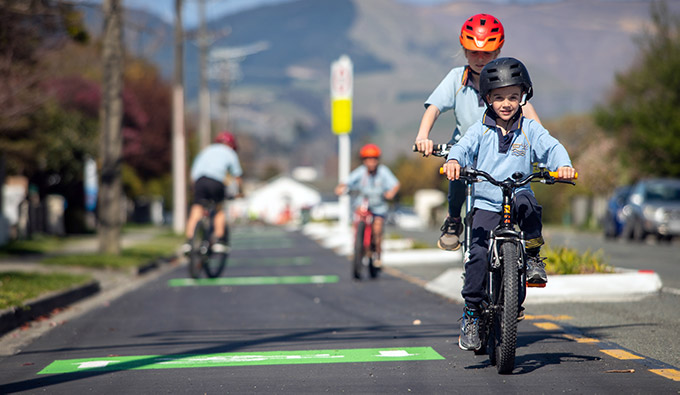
x,y
478,59
371,163
505,101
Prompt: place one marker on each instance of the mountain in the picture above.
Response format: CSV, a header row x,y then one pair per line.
x,y
400,51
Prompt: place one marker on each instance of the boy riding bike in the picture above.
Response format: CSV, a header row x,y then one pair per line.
x,y
378,184
503,143
482,36
208,173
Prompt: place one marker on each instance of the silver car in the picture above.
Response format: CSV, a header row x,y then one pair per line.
x,y
653,208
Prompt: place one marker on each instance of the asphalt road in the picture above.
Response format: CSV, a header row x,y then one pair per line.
x,y
274,329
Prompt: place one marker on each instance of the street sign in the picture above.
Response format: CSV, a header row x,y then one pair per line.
x,y
342,81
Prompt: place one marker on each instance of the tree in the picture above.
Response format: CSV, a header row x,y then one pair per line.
x,y
111,140
642,113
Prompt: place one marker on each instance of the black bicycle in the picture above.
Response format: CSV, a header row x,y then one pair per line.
x,y
506,282
205,255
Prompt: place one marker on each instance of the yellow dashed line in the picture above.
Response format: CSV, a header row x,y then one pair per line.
x,y
672,374
548,317
548,326
621,354
580,339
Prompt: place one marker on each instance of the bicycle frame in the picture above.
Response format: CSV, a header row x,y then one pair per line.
x,y
363,214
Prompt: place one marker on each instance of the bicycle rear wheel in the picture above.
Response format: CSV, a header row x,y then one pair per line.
x,y
217,261
199,246
505,350
359,251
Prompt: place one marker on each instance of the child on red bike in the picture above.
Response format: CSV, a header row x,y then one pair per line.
x,y
376,182
502,143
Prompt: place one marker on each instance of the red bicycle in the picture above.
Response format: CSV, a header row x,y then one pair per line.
x,y
364,244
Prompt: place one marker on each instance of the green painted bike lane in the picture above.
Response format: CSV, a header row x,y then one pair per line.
x,y
143,362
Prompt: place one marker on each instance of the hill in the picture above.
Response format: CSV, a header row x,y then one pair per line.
x,y
573,49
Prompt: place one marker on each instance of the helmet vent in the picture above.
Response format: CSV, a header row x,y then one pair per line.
x,y
482,22
494,30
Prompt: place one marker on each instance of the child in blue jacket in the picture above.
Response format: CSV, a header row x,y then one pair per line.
x,y
502,143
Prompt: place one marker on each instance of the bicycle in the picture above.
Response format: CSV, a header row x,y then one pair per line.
x,y
205,255
506,282
364,245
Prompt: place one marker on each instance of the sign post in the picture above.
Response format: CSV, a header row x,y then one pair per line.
x,y
342,80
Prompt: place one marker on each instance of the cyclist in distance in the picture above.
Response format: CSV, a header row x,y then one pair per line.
x,y
378,184
482,36
208,174
502,143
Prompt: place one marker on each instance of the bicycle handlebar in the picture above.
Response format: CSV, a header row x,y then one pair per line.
x,y
441,150
547,177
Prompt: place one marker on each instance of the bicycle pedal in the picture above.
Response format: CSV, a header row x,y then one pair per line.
x,y
535,285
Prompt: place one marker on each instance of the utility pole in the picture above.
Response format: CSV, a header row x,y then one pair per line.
x,y
179,176
111,140
204,92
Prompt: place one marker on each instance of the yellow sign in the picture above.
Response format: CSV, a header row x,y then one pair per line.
x,y
342,75
341,115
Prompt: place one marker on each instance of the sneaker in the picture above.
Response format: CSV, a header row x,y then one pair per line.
x,y
451,230
219,247
469,330
377,263
186,248
536,270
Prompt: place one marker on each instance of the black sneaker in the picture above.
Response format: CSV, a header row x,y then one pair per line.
x,y
536,270
469,330
450,238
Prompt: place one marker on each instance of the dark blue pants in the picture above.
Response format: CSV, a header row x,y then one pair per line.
x,y
456,197
527,214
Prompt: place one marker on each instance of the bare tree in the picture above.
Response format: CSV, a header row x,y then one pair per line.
x,y
111,140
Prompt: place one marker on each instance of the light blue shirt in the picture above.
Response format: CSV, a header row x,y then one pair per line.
x,y
529,143
215,161
457,93
373,186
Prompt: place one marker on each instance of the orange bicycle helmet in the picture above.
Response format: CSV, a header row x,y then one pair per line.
x,y
482,32
369,151
227,138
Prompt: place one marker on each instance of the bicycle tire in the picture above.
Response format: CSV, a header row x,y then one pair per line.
x,y
508,318
198,244
216,262
359,250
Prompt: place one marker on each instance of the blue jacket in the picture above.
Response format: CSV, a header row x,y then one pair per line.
x,y
485,148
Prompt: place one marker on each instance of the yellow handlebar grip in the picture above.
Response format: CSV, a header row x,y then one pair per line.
x,y
554,174
441,170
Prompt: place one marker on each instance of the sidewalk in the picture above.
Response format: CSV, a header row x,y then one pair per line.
x,y
441,272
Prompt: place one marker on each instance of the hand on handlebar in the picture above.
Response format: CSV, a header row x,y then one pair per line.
x,y
426,146
566,173
452,169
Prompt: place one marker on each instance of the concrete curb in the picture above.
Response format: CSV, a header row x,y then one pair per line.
x,y
13,318
613,287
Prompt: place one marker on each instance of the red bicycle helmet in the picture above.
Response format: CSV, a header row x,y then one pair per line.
x,y
482,32
369,151
227,138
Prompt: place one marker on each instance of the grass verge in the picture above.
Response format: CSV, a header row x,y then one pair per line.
x,y
160,246
16,288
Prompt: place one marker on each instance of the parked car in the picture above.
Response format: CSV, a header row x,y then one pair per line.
x,y
653,208
613,219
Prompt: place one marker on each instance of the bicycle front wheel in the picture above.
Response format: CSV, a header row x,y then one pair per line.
x,y
505,350
199,246
217,260
359,250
